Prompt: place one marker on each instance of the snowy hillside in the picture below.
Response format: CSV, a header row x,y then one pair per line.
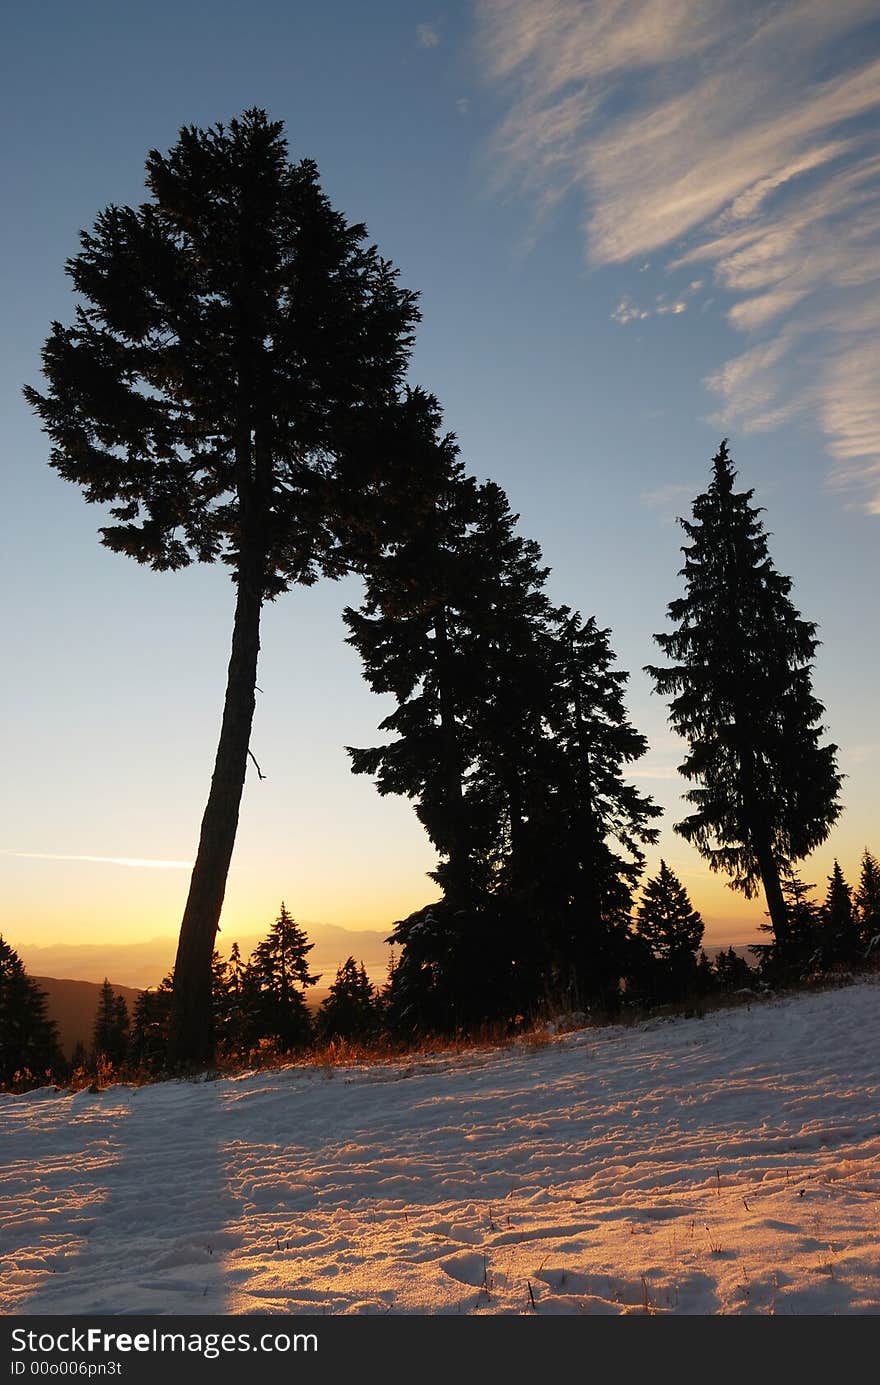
x,y
723,1165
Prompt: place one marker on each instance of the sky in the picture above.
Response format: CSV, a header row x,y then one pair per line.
x,y
636,226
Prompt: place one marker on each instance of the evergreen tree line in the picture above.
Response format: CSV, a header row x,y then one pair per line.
x,y
511,736
233,387
261,1003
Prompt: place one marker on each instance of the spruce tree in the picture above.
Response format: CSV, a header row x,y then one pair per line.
x,y
29,1050
867,901
838,927
278,976
110,1033
766,790
235,342
511,737
672,928
587,825
407,634
148,1041
732,972
667,920
349,1011
230,998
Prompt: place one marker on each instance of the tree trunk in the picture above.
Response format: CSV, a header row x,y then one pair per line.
x,y
761,841
755,814
459,892
776,906
191,1038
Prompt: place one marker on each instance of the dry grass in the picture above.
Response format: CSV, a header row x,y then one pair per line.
x,y
386,1049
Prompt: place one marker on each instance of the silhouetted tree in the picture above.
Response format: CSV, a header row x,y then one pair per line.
x,y
151,1012
586,825
407,633
510,735
672,928
28,1038
732,972
230,998
349,1010
801,952
766,791
867,901
277,978
110,1033
667,920
235,342
838,925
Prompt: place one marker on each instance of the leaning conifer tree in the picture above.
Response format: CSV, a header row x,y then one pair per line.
x,y
766,790
232,334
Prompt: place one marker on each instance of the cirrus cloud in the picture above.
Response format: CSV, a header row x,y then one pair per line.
x,y
735,138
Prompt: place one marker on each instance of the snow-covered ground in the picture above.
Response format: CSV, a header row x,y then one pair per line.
x,y
723,1165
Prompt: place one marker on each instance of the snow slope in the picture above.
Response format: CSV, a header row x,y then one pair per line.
x,y
723,1165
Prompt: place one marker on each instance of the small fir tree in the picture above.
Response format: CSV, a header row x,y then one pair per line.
x,y
110,1033
151,1013
278,976
867,902
230,996
349,1010
672,928
29,1050
732,972
839,935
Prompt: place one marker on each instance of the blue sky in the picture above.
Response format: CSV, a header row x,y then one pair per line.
x,y
636,227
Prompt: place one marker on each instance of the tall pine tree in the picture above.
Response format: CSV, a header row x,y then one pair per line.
x,y
235,342
766,790
510,735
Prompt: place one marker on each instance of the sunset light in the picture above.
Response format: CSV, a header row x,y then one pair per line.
x,y
442,461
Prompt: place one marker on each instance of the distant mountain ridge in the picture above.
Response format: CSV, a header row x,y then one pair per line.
x,y
73,1006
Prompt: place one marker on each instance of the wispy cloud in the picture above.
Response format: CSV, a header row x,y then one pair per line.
x,y
626,311
673,497
735,137
427,36
134,861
